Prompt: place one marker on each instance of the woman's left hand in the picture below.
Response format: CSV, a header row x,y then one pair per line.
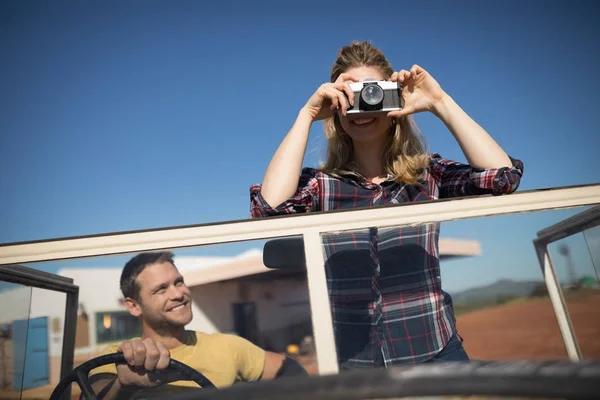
x,y
420,92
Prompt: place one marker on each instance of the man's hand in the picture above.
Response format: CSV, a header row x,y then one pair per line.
x,y
145,361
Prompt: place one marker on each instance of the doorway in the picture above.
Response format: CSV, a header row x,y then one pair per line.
x,y
245,322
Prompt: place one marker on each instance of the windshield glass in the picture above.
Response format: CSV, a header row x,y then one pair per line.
x,y
492,294
14,323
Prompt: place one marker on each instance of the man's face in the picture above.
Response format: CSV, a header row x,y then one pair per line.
x,y
165,300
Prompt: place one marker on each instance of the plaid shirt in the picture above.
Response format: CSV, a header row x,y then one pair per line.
x,y
388,306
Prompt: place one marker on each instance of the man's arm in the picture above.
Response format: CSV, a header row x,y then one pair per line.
x,y
273,363
144,358
254,363
279,366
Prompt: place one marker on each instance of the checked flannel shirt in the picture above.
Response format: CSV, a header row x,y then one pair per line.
x,y
384,284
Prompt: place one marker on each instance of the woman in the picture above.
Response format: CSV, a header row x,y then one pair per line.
x,y
387,303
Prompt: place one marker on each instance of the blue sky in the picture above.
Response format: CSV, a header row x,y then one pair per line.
x,y
117,116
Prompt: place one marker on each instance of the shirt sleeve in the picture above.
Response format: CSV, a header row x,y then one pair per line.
x,y
305,199
456,179
108,368
249,358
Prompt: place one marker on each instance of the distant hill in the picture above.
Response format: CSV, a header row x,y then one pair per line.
x,y
495,293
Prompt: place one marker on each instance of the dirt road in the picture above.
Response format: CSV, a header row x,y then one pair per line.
x,y
529,329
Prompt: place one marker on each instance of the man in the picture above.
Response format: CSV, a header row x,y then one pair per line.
x,y
155,292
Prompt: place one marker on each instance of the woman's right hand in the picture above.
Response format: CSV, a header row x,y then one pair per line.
x,y
330,98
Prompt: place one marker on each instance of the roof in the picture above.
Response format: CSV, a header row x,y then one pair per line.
x,y
251,263
187,265
202,270
450,248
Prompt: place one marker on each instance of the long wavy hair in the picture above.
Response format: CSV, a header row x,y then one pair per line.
x,y
405,153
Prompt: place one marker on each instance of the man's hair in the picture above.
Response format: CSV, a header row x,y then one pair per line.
x,y
129,284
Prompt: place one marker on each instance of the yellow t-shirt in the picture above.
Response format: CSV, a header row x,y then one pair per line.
x,y
222,358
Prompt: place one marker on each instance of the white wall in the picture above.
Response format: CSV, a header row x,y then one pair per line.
x,y
273,300
98,292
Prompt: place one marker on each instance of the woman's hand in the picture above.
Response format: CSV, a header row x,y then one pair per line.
x,y
420,92
330,98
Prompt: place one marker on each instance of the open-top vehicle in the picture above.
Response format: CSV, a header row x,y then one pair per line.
x,y
574,378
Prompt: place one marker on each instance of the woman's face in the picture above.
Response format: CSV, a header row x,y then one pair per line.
x,y
366,129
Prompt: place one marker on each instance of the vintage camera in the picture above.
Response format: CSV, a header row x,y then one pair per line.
x,y
372,96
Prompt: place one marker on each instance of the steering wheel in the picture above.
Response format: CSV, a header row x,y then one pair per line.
x,y
80,375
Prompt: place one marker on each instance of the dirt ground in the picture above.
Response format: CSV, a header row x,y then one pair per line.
x,y
524,330
529,329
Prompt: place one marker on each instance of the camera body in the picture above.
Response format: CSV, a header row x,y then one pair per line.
x,y
374,97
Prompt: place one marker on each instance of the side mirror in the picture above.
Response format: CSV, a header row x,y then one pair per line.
x,y
284,253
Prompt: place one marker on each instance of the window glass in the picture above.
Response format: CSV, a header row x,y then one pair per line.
x,y
112,326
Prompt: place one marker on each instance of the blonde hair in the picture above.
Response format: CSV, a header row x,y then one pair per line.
x,y
405,152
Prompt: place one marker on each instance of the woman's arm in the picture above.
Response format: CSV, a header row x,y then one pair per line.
x,y
423,93
281,178
478,146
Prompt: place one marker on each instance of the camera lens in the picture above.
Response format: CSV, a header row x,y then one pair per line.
x,y
372,94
